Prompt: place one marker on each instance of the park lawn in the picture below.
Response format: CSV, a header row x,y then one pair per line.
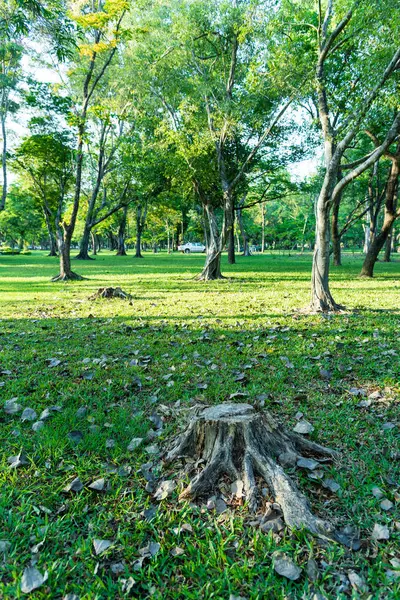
x,y
179,342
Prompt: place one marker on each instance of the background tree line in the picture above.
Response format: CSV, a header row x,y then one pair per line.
x,y
172,121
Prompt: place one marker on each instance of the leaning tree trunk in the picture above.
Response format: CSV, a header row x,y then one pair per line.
x,y
84,245
376,246
321,297
390,216
121,233
212,268
236,441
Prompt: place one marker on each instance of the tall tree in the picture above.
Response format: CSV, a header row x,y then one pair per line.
x,y
340,36
99,31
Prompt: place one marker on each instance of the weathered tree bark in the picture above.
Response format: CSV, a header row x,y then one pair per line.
x,y
141,214
121,232
236,441
390,215
212,268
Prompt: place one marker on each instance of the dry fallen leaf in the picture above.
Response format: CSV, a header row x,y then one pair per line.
x,y
18,460
386,504
357,582
101,546
75,486
303,427
97,485
28,414
134,443
165,489
380,532
4,545
32,579
284,566
11,407
53,362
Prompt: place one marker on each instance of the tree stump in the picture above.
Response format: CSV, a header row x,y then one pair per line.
x,y
237,441
110,292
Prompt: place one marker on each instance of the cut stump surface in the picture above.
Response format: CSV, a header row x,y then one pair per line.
x,y
235,440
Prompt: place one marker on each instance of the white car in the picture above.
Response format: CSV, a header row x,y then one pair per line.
x,y
192,247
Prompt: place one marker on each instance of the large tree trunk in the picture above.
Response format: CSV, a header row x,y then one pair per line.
x,y
212,268
64,250
390,216
4,163
321,297
235,441
121,233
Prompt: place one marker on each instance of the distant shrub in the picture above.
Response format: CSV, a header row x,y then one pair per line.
x,y
8,250
25,252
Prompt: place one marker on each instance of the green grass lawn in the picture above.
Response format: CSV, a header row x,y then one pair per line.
x,y
177,343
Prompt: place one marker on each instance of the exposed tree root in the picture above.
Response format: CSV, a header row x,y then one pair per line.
x,y
83,257
110,292
70,277
235,440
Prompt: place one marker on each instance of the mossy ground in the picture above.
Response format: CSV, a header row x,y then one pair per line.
x,y
122,360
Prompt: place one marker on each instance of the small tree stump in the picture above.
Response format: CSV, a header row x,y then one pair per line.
x,y
236,440
110,292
